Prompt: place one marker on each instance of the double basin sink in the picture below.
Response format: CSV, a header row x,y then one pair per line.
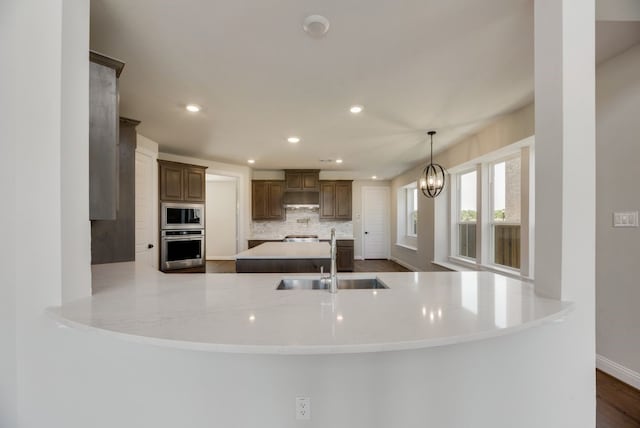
x,y
343,284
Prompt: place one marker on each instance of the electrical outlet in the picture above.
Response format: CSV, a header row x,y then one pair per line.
x,y
303,408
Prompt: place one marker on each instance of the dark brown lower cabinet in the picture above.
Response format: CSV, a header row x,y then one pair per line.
x,y
282,265
344,255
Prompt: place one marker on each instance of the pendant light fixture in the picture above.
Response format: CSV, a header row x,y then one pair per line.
x,y
433,177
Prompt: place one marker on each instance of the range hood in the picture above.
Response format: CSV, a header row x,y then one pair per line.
x,y
309,200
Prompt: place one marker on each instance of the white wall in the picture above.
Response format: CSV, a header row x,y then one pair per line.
x,y
221,219
486,384
421,258
9,134
618,175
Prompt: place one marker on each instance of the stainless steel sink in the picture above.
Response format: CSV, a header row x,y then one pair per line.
x,y
343,284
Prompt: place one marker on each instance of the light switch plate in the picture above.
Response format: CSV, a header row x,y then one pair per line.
x,y
625,219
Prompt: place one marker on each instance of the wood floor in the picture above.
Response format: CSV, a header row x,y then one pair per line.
x,y
618,403
221,266
229,266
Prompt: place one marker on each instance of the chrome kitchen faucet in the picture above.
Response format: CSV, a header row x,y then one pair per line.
x,y
333,285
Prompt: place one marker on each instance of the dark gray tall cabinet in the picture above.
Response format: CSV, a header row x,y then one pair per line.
x,y
103,136
114,240
112,147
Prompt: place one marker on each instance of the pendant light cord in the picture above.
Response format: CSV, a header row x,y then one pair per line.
x,y
431,157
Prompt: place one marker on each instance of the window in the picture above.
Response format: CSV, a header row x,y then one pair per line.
x,y
412,211
491,218
407,235
467,214
506,205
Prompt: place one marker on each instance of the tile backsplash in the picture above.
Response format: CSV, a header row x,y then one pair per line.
x,y
301,221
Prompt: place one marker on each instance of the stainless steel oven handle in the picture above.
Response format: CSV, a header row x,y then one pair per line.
x,y
183,238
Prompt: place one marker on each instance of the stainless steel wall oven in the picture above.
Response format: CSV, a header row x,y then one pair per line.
x,y
182,249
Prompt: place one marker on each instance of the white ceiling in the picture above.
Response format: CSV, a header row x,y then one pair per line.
x,y
414,64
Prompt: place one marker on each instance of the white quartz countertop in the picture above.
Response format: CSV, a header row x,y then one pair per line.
x,y
288,250
244,313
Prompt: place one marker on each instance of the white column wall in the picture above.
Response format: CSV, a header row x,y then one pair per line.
x,y
36,116
76,228
565,183
37,178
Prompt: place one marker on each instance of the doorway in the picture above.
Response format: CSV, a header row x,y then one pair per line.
x,y
221,214
375,222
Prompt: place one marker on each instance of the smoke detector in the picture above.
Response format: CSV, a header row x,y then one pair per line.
x,y
316,25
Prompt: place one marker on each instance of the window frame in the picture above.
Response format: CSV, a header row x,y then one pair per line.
x,y
457,211
403,238
408,220
491,223
484,260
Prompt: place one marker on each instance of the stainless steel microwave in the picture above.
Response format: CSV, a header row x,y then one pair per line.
x,y
177,215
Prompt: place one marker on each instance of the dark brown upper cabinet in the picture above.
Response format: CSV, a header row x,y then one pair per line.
x,y
302,180
267,200
103,136
194,184
335,200
181,182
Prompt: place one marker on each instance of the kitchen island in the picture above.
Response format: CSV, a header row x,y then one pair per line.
x,y
445,349
288,257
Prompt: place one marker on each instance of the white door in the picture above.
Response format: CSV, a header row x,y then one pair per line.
x,y
375,222
146,192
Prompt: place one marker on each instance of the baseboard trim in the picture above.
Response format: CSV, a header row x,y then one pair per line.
x,y
358,258
618,371
404,264
221,258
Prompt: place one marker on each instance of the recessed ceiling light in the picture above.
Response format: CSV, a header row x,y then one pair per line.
x,y
251,161
374,177
293,140
193,108
356,109
316,25
338,160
